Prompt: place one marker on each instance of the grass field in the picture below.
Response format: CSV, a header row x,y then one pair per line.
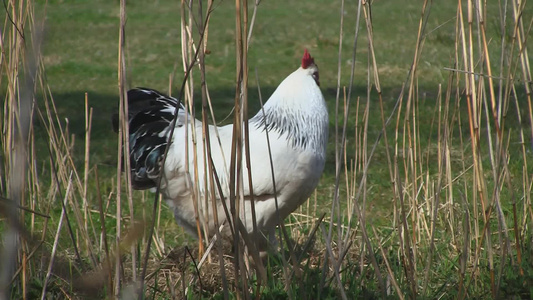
x,y
439,208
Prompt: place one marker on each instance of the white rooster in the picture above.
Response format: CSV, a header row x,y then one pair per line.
x,y
296,119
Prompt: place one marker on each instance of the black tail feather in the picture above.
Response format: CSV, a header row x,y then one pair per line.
x,y
150,116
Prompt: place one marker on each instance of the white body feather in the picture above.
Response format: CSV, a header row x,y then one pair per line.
x,y
297,118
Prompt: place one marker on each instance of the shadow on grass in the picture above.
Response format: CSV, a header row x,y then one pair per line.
x,y
104,141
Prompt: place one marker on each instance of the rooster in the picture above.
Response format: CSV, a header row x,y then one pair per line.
x,y
295,118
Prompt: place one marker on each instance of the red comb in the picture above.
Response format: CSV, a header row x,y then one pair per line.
x,y
307,60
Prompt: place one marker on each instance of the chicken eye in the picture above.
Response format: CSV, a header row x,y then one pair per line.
x,y
316,78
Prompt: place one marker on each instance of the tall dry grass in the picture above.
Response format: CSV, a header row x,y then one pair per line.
x,y
460,210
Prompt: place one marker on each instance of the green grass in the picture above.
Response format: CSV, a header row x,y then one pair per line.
x,y
81,50
80,56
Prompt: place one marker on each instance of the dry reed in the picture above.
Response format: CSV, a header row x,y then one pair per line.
x,y
460,212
